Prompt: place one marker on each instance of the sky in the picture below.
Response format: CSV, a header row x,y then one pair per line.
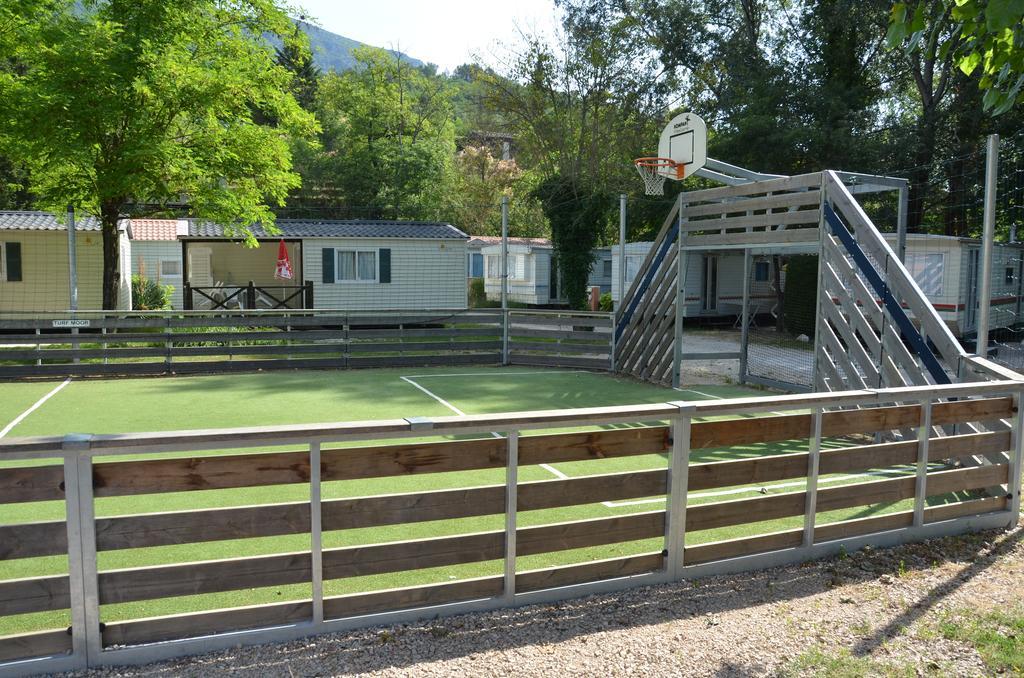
x,y
444,32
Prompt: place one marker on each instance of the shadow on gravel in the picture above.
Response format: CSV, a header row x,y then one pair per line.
x,y
985,554
470,636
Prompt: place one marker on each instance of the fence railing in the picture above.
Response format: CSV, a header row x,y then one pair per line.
x,y
526,552
184,342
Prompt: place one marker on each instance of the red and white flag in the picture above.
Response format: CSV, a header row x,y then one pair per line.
x,y
284,264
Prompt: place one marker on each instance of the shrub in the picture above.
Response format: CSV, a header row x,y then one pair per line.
x,y
477,294
606,302
149,295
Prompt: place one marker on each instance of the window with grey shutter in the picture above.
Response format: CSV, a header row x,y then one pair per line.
x,y
12,261
384,256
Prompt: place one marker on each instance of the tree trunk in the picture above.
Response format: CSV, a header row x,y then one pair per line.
x,y
109,215
921,173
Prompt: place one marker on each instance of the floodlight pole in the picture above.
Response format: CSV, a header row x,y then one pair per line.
x,y
988,235
72,260
504,279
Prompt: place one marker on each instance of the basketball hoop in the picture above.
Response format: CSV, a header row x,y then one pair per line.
x,y
654,171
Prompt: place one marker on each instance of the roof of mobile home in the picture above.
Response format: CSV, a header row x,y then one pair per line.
x,y
488,240
44,221
158,229
310,228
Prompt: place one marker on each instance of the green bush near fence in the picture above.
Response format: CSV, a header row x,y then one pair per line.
x,y
149,295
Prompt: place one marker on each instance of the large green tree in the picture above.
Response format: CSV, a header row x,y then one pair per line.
x,y
388,140
113,103
581,108
984,36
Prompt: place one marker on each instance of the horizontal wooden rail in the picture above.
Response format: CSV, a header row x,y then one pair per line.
x,y
771,507
745,546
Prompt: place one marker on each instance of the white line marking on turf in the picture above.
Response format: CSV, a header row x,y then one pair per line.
x,y
441,400
558,474
715,397
749,490
491,374
436,397
409,380
7,429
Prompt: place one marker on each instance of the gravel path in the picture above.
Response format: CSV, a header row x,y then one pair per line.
x,y
877,604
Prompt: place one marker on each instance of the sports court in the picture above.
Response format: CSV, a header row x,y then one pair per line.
x,y
261,399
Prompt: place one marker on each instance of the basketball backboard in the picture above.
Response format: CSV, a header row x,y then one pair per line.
x,y
684,140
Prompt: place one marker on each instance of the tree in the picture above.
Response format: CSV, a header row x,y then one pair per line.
x,y
112,103
984,35
298,60
481,183
581,109
388,138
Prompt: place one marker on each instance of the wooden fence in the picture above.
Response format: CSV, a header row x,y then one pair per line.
x,y
947,498
190,342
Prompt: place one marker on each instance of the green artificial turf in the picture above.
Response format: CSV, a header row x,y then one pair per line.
x,y
163,404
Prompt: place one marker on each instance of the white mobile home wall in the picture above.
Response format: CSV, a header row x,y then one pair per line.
x,y
535,289
426,274
145,258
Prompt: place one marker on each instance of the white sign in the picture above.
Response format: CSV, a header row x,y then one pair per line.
x,y
71,323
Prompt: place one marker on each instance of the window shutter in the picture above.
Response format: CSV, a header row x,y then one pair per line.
x,y
384,258
12,252
328,265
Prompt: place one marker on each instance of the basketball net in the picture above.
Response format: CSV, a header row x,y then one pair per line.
x,y
651,171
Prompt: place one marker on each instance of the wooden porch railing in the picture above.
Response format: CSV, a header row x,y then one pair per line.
x,y
251,296
686,528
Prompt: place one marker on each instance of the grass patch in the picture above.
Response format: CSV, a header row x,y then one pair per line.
x,y
843,664
998,636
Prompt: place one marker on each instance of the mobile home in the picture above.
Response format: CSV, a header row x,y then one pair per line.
x,y
714,280
34,263
352,265
157,253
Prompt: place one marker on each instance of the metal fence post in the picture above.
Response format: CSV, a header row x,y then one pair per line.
x,y
316,533
81,529
678,481
511,506
987,237
924,433
1016,459
745,315
813,464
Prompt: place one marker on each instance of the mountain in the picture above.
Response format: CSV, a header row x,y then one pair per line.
x,y
334,52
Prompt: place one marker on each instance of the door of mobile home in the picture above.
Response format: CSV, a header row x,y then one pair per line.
x,y
709,284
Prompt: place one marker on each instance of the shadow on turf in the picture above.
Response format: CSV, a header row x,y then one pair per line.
x,y
401,647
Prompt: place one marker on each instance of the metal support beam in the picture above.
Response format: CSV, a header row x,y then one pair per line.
x,y
901,223
316,533
924,433
987,237
677,342
72,261
504,279
745,315
813,463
